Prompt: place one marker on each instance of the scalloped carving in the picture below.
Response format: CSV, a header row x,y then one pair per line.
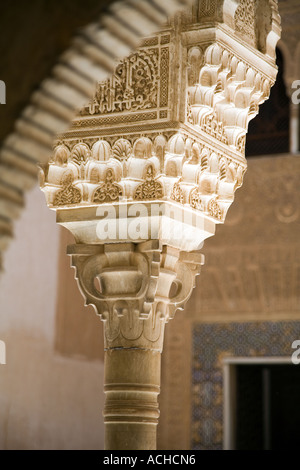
x,y
122,150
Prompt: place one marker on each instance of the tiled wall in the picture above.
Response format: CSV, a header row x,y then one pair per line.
x,y
211,344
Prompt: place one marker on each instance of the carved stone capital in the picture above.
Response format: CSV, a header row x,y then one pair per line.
x,y
169,126
135,288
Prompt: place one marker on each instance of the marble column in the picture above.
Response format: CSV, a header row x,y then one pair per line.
x,y
136,289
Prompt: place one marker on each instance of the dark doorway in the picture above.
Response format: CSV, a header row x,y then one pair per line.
x,y
267,407
269,132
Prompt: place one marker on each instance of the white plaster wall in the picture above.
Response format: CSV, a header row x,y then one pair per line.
x,y
46,401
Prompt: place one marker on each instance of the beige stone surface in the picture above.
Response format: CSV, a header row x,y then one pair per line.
x,y
252,264
251,274
78,331
28,286
174,429
45,399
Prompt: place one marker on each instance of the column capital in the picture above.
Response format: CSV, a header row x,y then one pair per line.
x,y
135,288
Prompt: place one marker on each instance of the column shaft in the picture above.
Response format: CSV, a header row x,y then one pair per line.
x,y
132,386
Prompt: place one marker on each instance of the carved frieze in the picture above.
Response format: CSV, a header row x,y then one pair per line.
x,y
68,194
177,194
133,86
244,18
150,189
108,191
140,82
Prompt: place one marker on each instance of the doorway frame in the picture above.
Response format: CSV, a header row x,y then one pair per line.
x,y
229,388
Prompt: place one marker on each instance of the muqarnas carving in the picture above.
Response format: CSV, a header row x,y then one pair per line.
x,y
171,122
